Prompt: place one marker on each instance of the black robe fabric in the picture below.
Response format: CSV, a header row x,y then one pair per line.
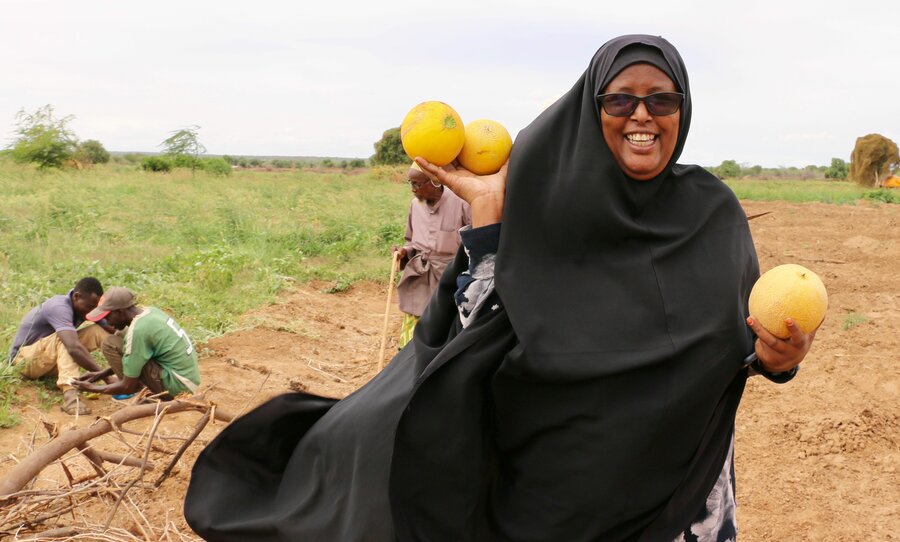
x,y
593,399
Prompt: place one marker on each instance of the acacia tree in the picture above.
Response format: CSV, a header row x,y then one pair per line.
x,y
184,144
42,138
874,158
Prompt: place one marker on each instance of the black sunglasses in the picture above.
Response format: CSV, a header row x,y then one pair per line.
x,y
659,104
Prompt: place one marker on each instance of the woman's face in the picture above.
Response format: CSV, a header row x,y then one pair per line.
x,y
642,144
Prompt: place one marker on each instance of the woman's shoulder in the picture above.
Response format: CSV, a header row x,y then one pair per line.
x,y
701,178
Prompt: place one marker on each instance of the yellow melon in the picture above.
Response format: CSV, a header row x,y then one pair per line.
x,y
434,131
788,291
487,147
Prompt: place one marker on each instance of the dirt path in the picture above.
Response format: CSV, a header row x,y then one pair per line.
x,y
817,459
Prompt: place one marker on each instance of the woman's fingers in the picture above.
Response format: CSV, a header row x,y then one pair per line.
x,y
779,355
763,334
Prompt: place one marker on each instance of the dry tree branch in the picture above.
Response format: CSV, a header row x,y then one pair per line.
x,y
197,429
28,468
140,475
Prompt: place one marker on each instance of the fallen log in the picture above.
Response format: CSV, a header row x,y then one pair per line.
x,y
32,465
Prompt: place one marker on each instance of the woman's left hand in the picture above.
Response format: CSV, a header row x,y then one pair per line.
x,y
780,355
483,193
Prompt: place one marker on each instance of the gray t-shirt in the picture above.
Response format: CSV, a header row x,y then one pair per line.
x,y
55,314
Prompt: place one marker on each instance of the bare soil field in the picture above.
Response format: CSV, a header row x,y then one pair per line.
x,y
817,459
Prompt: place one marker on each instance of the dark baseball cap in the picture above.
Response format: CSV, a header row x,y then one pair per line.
x,y
114,298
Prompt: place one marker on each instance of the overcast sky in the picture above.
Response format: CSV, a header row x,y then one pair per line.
x,y
775,83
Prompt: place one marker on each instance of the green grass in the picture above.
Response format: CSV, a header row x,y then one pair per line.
x,y
204,249
839,192
9,381
852,320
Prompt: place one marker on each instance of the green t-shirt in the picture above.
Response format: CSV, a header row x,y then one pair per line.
x,y
154,335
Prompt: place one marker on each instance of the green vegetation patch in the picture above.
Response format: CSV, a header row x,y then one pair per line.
x,y
839,192
205,248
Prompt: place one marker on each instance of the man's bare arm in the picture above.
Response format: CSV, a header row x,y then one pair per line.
x,y
78,352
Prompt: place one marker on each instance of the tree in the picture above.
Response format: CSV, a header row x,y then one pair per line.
x,y
389,149
43,138
728,169
838,169
91,152
184,143
874,158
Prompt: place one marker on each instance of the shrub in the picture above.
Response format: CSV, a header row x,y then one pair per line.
x,y
884,195
91,152
184,160
838,169
156,163
216,166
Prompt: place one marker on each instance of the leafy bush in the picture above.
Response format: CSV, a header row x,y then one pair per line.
x,y
884,195
216,166
838,169
156,163
184,160
91,152
728,169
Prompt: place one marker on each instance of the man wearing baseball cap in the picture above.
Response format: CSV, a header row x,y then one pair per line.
x,y
154,351
51,339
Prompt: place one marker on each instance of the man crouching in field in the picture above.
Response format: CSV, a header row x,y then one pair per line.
x,y
49,340
154,352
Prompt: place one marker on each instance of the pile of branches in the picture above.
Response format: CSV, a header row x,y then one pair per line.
x,y
49,514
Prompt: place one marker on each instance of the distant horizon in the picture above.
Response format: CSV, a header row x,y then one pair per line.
x,y
367,158
240,155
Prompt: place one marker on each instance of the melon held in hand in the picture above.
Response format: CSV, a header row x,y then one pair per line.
x,y
788,291
486,148
434,131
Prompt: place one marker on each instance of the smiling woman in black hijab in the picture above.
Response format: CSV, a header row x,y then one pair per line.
x,y
584,389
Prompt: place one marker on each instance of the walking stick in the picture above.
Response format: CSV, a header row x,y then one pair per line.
x,y
395,265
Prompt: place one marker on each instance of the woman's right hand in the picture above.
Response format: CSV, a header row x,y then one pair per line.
x,y
483,193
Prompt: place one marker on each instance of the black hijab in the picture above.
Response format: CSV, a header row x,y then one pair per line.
x,y
611,417
592,399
